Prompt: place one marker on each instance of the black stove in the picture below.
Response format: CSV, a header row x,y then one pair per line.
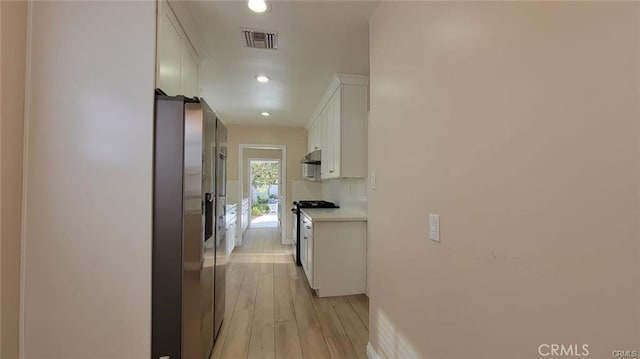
x,y
314,204
296,210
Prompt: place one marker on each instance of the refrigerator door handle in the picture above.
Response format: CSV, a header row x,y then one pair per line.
x,y
208,215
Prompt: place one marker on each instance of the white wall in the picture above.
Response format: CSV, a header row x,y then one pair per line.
x,y
13,32
87,250
518,123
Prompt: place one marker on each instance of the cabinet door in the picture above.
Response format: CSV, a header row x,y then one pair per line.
x,y
294,228
303,250
231,238
327,157
321,132
353,129
245,218
168,53
309,269
312,137
188,72
334,115
237,232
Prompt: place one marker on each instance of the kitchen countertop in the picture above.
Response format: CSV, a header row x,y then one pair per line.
x,y
334,214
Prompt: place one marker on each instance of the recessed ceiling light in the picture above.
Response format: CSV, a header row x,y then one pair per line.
x,y
263,78
265,114
258,5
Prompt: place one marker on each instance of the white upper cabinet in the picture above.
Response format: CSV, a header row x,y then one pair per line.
x,y
168,52
188,72
316,133
334,135
313,137
339,128
177,64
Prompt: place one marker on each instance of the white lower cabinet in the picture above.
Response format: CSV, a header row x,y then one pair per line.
x,y
303,255
294,227
232,224
306,250
245,215
334,256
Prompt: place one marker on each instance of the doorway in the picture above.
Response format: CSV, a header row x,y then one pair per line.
x,y
264,193
263,152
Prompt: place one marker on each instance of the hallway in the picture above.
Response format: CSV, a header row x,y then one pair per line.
x,y
272,313
264,221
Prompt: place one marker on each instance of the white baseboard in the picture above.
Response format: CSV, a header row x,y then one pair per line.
x,y
371,353
288,241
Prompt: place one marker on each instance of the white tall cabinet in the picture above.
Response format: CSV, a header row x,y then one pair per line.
x,y
338,128
177,62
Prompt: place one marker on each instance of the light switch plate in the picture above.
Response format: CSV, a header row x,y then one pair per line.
x,y
372,179
434,227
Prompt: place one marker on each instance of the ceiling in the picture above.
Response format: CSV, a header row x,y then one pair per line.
x,y
316,39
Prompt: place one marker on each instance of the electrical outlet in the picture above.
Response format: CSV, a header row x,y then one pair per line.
x,y
434,227
372,179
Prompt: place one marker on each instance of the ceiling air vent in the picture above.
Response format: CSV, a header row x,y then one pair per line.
x,y
260,39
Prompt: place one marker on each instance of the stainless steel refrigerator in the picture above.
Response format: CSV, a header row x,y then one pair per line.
x,y
189,254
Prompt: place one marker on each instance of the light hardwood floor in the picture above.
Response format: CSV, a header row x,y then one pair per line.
x,y
272,313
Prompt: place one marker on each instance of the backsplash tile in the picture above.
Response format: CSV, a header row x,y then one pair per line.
x,y
347,192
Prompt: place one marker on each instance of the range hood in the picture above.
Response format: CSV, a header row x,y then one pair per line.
x,y
311,166
312,158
